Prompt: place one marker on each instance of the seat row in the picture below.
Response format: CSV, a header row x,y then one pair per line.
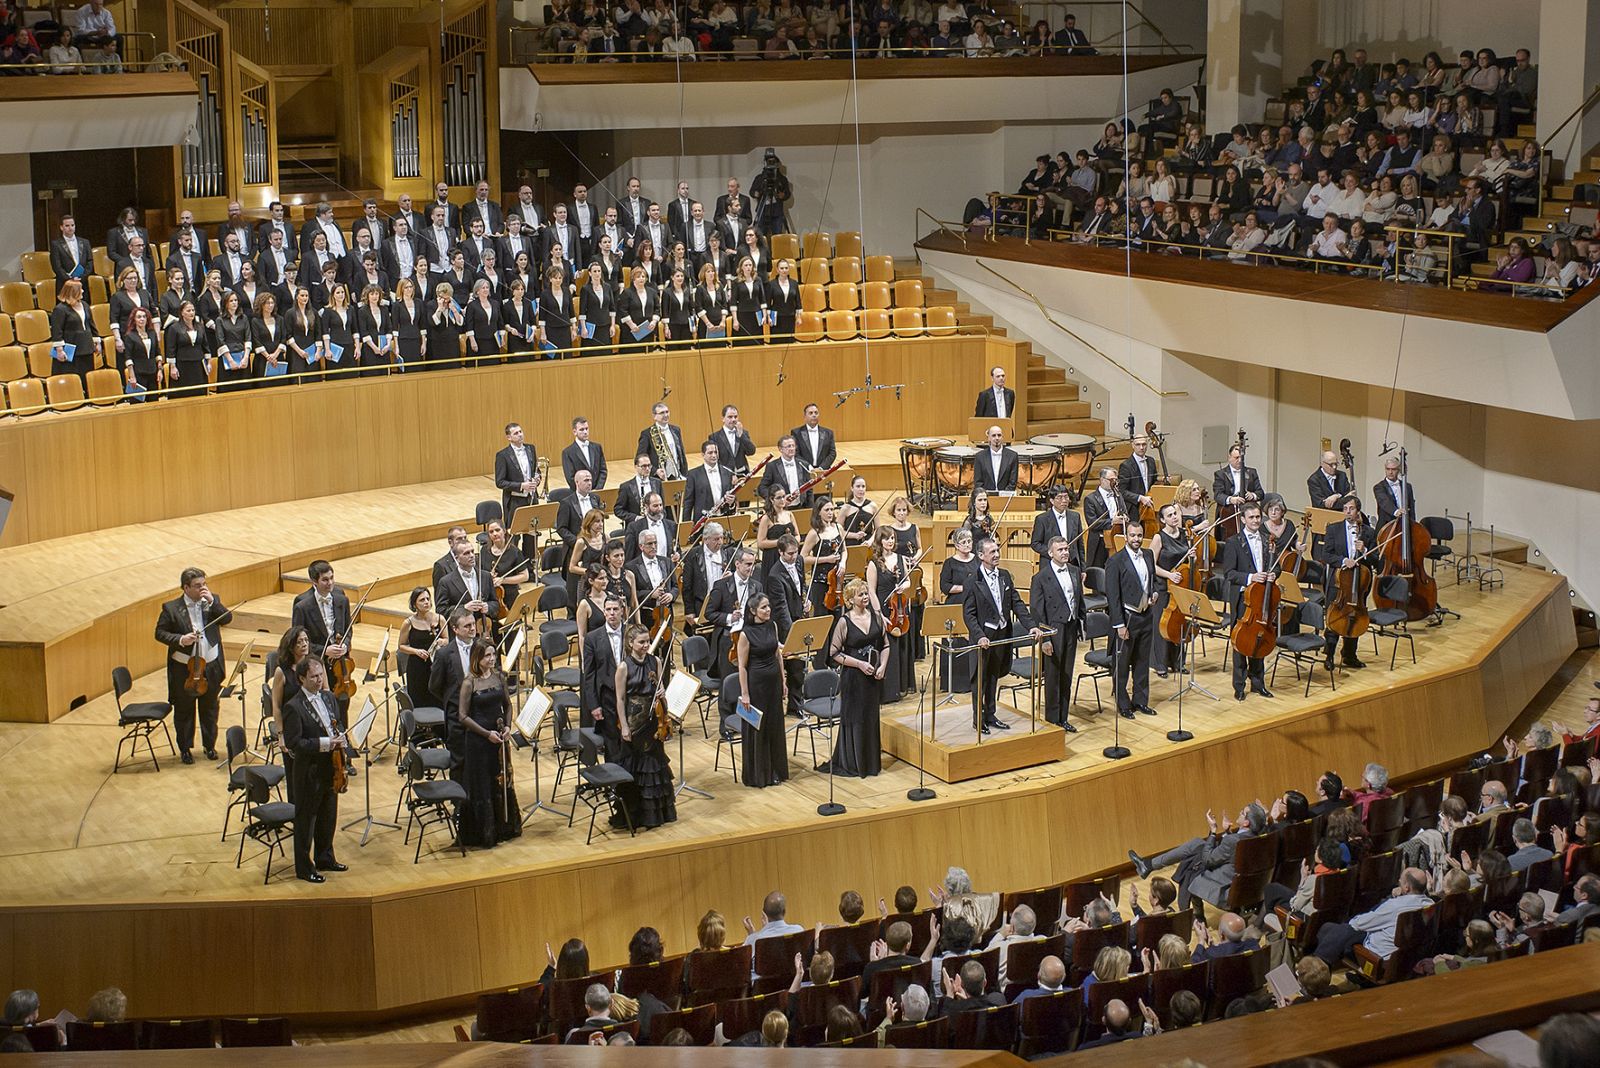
x,y
204,1033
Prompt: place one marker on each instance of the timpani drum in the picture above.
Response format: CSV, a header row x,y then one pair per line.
x,y
1037,466
1076,452
916,456
954,466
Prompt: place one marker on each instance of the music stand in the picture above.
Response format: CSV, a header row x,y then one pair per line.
x,y
608,499
978,428
682,689
529,722
236,678
528,522
737,527
1196,608
360,732
1318,520
526,605
855,561
1161,496
378,671
672,493
940,623
807,637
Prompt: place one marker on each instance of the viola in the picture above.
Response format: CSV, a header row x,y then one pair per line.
x,y
196,682
897,613
1405,553
1172,618
830,600
342,670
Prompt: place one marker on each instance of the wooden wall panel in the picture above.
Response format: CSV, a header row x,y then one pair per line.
x,y
306,959
430,950
167,942
516,919
67,954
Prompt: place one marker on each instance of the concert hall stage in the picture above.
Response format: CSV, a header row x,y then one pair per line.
x,y
122,879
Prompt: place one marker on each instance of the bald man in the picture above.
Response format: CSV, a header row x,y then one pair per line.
x,y
1052,980
1228,940
1119,1025
1327,485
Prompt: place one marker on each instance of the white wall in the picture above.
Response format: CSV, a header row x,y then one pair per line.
x,y
16,214
1410,28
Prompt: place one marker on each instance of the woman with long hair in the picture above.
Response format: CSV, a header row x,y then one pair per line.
x,y
491,813
304,337
887,572
822,551
233,345
649,793
141,353
339,330
747,304
188,359
775,521
764,686
267,336
587,548
418,633
407,321
597,312
293,647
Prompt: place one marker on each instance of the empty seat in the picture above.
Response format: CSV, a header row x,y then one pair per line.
x,y
784,246
16,297
843,296
847,268
26,396
100,316
813,298
98,292
841,325
908,322
36,267
847,243
907,292
31,325
13,363
875,295
65,392
6,336
40,363
816,244
102,261
808,326
880,268
105,386
814,270
941,321
875,323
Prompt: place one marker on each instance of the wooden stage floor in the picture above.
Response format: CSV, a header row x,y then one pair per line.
x,y
128,855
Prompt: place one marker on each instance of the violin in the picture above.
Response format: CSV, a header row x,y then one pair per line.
x,y
196,682
663,716
1405,553
504,779
343,757
897,613
342,670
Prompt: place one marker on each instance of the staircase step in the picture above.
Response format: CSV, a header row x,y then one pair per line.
x,y
271,614
1051,410
396,570
364,643
933,298
1527,129
1053,391
1092,427
1046,376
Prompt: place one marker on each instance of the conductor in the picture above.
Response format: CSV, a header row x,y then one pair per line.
x,y
994,613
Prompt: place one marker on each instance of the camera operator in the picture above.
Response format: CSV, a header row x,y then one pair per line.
x,y
772,193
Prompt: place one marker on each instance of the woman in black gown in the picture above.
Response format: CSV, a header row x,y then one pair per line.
x,y
954,575
649,797
141,353
822,551
339,332
267,336
556,314
71,324
859,649
589,547
597,308
908,543
374,333
305,337
293,647
678,308
748,303
762,682
443,328
233,340
417,634
1170,546
886,571
485,327
491,813
521,328
184,342
776,521
712,306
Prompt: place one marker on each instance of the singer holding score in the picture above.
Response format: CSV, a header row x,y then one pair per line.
x,y
190,625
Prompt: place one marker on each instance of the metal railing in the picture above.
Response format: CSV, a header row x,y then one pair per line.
x,y
1033,10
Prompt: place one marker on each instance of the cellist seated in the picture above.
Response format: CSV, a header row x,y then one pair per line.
x,y
1345,548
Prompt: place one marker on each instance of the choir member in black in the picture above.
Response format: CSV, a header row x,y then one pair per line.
x,y
886,574
521,323
339,331
374,333
858,514
177,292
407,317
457,276
1344,547
304,337
677,259
753,245
141,353
555,314
1246,560
589,547
1170,546
127,296
488,272
748,300
443,329
191,625
610,264
322,293
491,813
786,585
783,298
71,324
522,271
619,580
269,340
776,520
311,731
763,686
423,280
506,565
859,649
365,272
955,574
718,257
233,340
1056,600
822,551
1132,586
711,305
188,366
563,267
679,308
597,307
485,327
646,261
418,633
208,305
638,313
724,610
315,262
247,287
293,647
638,682
993,611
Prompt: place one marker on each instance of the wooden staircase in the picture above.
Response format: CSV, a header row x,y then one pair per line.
x,y
1559,200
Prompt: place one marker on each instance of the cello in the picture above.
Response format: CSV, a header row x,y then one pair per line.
x,y
1405,554
1191,576
1255,633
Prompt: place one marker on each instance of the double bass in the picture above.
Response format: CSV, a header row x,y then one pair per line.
x,y
1148,513
1405,554
1233,522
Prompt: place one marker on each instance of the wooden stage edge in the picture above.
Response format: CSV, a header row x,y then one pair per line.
x,y
442,939
951,752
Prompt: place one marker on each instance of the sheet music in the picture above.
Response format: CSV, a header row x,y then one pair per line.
x,y
363,725
1514,1048
1283,983
534,709
515,649
681,692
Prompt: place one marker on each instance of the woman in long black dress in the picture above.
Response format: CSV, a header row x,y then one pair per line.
x,y
128,296
589,547
71,324
762,682
505,563
1170,546
597,308
234,348
783,298
610,265
859,649
521,327
556,314
491,814
417,635
858,514
638,314
678,308
886,571
339,331
293,647
177,292
908,543
484,325
822,551
141,353
954,575
407,317
305,338
188,365
374,333
268,337
649,797
444,322
776,521
748,300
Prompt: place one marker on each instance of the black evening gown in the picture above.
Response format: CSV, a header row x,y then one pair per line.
x,y
820,573
955,663
770,556
650,796
491,814
857,750
766,762
418,669
908,543
1164,656
901,676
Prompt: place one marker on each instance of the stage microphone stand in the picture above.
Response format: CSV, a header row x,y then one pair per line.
x,y
831,807
1116,750
382,674
1186,680
921,791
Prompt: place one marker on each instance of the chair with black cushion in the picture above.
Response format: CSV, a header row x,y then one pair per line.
x,y
1539,764
268,822
553,599
1045,901
598,784
176,1034
488,512
1296,842
811,1005
432,802
1304,646
84,1036
891,983
700,1021
991,1028
1577,754
580,1036
926,1034
1235,976
819,701
851,946
1087,944
730,728
431,752
1376,878
1023,959
567,745
1455,912
566,1009
43,1037
255,1031
1130,991
510,1015
1469,838
989,958
1391,622
1050,1023
740,1016
1332,896
1094,589
774,956
1150,928
1422,806
552,647
1545,875
1386,819
1077,896
234,738
1166,982
1100,661
1550,936
1500,893
663,978
697,661
137,720
1442,532
1414,937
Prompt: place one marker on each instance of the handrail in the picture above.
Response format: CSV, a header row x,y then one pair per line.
x,y
1144,19
1112,360
47,67
1588,102
945,226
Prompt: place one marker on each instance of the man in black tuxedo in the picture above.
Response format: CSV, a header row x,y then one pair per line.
x,y
231,260
186,257
475,244
1247,558
632,208
787,474
583,455
1327,486
370,221
139,259
453,537
120,235
703,567
325,224
441,199
708,485
994,612
440,240
996,402
652,570
1132,586
671,437
518,239
276,266
1136,475
481,209
470,585
1343,548
1386,495
653,521
451,663
70,255
275,221
561,232
1058,521
632,494
654,229
516,472
191,625
528,210
733,442
724,608
1056,599
1235,484
995,468
814,442
745,205
602,652
324,611
786,585
311,731
398,254
680,210
236,223
574,506
1103,510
